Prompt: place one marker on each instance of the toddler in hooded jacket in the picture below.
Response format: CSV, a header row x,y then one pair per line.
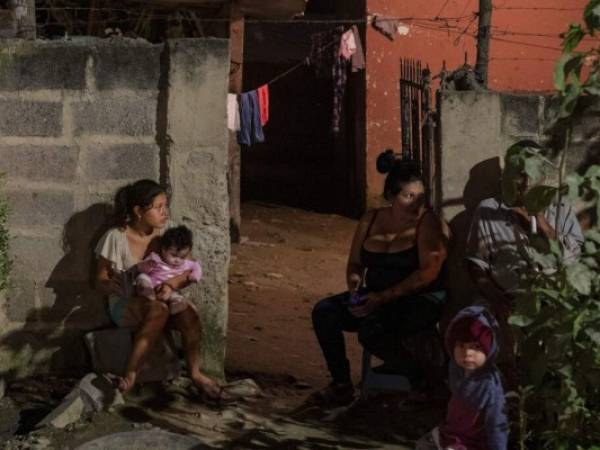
x,y
476,417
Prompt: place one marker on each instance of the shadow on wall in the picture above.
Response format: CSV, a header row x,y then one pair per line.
x,y
483,182
68,302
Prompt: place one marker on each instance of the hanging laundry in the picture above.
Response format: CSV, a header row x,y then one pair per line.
x,y
233,112
358,58
324,51
386,26
340,75
263,103
251,131
347,45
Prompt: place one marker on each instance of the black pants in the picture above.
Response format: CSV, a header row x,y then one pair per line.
x,y
380,332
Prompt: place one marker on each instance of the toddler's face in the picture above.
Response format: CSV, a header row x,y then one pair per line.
x,y
174,257
469,355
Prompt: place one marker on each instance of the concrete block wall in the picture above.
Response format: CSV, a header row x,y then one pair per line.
x,y
476,130
78,120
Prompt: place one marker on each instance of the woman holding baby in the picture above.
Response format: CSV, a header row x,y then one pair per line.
x,y
140,214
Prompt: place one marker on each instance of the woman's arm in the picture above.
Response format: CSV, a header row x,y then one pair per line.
x,y
164,291
354,268
105,282
432,245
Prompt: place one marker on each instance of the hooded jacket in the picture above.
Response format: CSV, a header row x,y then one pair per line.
x,y
476,417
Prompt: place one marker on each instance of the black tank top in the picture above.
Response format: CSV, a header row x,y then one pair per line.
x,y
385,269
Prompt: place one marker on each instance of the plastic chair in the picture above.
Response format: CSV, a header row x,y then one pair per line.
x,y
379,382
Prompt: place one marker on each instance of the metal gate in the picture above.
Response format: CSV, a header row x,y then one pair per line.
x,y
418,122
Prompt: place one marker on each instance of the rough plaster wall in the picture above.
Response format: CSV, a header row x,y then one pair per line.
x,y
197,160
78,120
476,130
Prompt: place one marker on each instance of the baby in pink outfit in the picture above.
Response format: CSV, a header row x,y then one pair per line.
x,y
154,270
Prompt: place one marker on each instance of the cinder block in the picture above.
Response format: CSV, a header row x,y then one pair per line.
x,y
133,66
20,300
35,258
520,115
201,67
27,118
121,162
35,163
36,208
128,117
35,66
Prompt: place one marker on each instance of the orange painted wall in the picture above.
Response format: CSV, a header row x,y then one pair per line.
x,y
524,48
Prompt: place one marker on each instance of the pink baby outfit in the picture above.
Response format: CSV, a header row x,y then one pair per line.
x,y
162,272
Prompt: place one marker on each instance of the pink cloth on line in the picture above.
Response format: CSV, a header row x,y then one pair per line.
x,y
162,272
347,44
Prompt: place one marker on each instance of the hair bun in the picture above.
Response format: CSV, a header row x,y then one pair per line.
x,y
385,161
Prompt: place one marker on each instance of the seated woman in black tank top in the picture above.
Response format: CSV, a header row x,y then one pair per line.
x,y
396,260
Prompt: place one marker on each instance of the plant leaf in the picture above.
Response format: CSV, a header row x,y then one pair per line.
x,y
580,277
591,15
568,65
520,320
538,198
572,38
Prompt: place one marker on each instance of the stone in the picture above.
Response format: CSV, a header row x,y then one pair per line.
x,y
121,162
2,388
28,118
125,63
32,207
68,412
143,440
274,275
39,163
99,392
35,65
121,116
246,387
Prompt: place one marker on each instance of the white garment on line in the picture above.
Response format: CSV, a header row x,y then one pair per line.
x,y
233,112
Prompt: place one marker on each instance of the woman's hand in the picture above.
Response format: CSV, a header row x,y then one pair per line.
x,y
374,301
163,292
113,284
354,281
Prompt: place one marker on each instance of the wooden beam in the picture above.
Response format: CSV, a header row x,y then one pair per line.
x,y
236,49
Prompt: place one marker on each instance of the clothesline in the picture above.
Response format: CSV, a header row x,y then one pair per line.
x,y
304,62
248,112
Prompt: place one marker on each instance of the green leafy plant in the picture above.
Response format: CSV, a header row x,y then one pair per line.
x,y
557,314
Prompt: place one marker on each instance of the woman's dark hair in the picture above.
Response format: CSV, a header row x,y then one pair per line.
x,y
399,172
179,237
141,193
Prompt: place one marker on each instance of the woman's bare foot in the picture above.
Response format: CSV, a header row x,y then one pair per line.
x,y
209,388
127,382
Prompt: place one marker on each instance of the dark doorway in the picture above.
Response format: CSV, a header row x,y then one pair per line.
x,y
302,163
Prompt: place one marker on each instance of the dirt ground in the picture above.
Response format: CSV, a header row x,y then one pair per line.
x,y
287,260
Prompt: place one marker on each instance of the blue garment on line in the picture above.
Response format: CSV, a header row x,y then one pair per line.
x,y
251,130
